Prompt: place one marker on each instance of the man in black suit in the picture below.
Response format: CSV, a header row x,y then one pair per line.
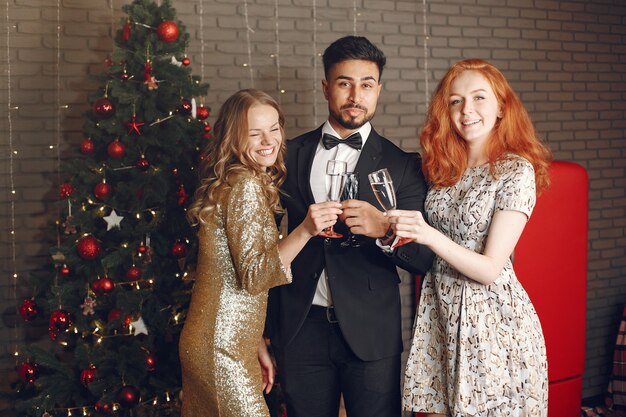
x,y
337,328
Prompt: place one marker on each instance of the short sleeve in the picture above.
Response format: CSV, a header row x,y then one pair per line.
x,y
517,186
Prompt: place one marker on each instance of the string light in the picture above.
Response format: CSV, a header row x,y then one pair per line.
x,y
277,54
201,20
12,152
426,37
315,63
354,15
248,30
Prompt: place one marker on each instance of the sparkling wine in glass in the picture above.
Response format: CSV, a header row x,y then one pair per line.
x,y
382,186
350,192
335,171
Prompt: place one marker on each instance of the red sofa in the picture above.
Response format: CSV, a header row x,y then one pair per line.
x,y
551,263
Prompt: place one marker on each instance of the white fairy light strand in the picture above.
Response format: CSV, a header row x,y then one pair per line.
x,y
201,22
58,92
11,173
354,15
315,80
112,17
58,121
277,52
425,24
248,30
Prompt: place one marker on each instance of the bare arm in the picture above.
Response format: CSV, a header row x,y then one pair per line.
x,y
504,232
319,217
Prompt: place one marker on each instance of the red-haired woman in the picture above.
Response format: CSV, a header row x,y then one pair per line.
x,y
478,348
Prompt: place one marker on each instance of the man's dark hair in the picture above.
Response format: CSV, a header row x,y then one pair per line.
x,y
353,47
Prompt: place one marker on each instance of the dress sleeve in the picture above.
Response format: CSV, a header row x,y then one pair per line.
x,y
253,238
517,190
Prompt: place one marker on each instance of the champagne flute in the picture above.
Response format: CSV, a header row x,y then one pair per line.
x,y
350,192
335,171
382,185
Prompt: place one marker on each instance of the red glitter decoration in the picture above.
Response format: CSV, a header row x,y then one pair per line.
x,y
168,31
88,248
28,309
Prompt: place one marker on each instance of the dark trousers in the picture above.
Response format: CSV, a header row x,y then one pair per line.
x,y
318,365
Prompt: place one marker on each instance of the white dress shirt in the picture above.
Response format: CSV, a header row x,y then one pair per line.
x,y
320,183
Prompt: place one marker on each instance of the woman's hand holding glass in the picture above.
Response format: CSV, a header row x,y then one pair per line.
x,y
409,225
382,186
321,216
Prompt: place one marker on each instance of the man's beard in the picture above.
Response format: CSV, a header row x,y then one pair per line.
x,y
351,123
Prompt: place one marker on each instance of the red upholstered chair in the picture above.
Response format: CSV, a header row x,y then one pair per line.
x,y
551,263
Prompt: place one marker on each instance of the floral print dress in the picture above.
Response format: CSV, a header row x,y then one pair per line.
x,y
478,350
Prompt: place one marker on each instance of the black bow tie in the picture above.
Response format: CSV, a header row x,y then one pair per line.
x,y
354,141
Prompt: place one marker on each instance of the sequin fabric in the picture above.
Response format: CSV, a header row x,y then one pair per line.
x,y
237,263
478,350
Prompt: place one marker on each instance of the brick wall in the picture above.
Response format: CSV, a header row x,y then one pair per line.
x,y
566,59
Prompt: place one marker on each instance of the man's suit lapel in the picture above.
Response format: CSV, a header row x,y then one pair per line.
x,y
369,161
305,155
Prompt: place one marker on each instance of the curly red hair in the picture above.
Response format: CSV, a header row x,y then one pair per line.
x,y
444,153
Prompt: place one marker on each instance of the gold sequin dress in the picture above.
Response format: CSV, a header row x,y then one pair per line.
x,y
237,263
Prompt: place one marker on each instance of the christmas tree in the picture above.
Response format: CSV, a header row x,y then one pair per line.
x,y
116,291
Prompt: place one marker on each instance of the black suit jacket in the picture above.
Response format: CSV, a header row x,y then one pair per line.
x,y
364,280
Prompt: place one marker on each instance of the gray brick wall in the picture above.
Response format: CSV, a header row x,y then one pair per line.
x,y
566,60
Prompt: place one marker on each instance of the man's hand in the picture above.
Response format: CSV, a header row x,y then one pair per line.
x,y
364,219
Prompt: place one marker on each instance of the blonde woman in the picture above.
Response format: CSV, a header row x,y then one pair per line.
x,y
240,258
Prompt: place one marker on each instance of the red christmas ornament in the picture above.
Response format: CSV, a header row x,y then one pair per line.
x,y
87,146
182,195
142,163
103,108
186,61
133,125
124,75
114,314
65,270
126,31
128,396
105,408
28,372
28,309
168,31
151,362
102,190
103,285
185,107
207,127
202,113
88,248
133,273
128,320
116,149
142,248
87,375
179,250
60,321
66,190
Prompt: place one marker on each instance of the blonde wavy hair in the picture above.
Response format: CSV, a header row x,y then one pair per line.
x,y
444,153
228,154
